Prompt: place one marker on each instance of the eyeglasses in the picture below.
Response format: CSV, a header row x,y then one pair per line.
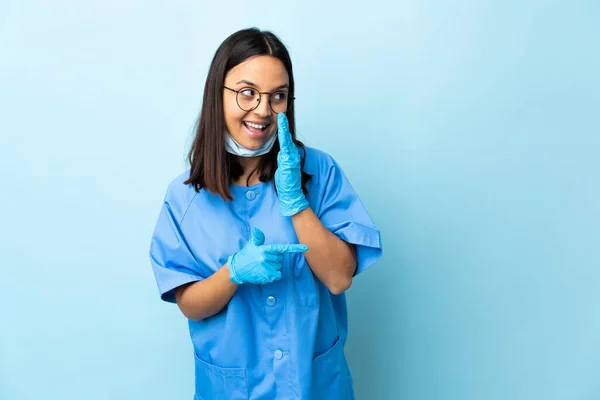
x,y
249,98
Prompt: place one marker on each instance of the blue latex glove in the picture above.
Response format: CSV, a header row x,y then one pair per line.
x,y
259,263
288,177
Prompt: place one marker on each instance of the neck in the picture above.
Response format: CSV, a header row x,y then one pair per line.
x,y
248,163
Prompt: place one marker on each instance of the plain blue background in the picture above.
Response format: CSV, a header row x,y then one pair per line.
x,y
470,129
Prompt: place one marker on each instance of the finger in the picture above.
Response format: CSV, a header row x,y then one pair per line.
x,y
273,257
287,248
283,132
258,237
270,273
275,276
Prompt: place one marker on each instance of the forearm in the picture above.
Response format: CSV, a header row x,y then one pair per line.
x,y
331,259
207,297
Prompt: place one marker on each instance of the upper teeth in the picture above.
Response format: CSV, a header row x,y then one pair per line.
x,y
257,126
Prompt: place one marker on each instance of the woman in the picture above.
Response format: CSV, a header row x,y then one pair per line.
x,y
258,241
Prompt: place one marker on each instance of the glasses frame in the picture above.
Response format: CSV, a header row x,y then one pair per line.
x,y
260,94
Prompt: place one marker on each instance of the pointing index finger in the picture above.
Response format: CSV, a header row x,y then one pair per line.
x,y
287,248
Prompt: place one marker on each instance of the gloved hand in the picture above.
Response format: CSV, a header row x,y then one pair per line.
x,y
288,176
259,263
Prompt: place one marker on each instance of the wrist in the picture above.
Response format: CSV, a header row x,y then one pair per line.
x,y
233,277
292,208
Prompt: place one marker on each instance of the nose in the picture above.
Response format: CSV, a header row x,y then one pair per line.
x,y
264,108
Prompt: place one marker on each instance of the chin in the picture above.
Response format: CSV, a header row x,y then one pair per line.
x,y
252,144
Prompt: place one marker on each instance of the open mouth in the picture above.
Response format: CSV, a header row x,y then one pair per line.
x,y
257,128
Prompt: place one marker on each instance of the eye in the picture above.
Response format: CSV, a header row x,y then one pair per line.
x,y
280,96
248,92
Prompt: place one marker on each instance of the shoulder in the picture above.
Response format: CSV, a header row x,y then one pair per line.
x,y
317,161
321,165
180,195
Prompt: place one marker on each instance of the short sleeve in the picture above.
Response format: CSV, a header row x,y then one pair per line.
x,y
341,211
172,260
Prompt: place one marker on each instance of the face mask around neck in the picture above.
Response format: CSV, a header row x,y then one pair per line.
x,y
233,147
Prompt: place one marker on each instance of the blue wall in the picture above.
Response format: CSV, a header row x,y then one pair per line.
x,y
470,129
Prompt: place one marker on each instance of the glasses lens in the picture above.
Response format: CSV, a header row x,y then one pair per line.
x,y
279,102
248,99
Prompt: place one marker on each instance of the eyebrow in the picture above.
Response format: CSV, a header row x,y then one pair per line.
x,y
285,85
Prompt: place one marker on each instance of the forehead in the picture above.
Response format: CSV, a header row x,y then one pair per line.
x,y
265,71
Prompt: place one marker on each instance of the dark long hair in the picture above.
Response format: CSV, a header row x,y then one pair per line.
x,y
211,166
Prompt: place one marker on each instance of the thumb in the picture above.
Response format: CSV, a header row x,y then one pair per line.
x,y
258,237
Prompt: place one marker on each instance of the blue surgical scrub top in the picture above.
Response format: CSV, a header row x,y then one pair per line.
x,y
282,340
